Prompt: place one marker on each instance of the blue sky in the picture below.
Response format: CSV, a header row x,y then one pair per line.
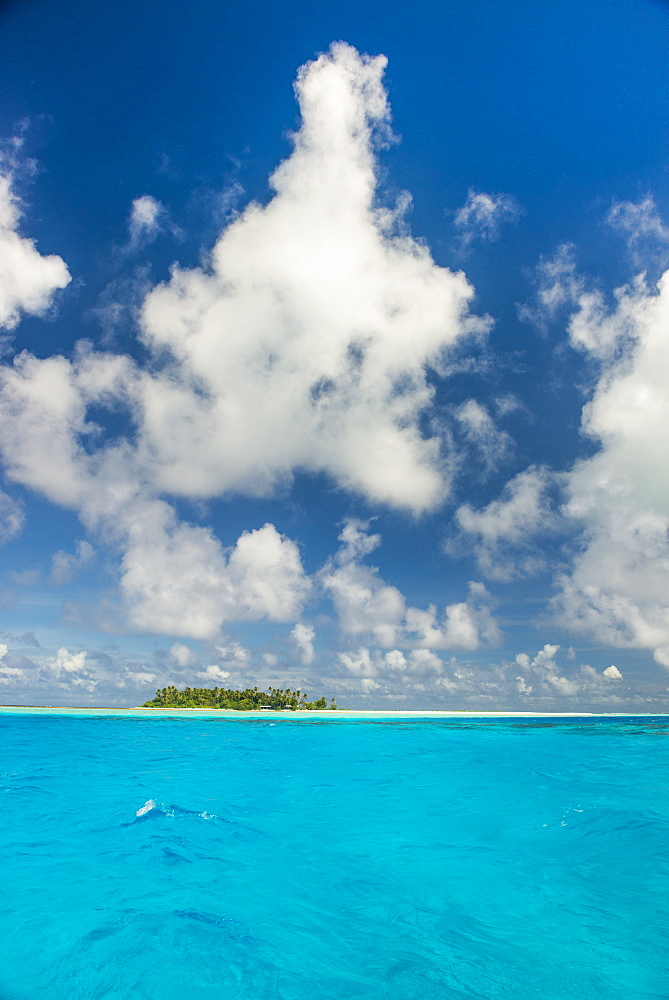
x,y
335,352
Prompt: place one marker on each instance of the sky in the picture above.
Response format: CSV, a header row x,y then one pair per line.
x,y
335,351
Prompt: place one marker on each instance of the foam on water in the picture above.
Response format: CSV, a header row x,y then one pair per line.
x,y
161,858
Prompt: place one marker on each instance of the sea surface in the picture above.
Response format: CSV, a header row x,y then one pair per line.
x,y
146,858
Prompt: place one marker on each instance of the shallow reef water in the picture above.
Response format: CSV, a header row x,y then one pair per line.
x,y
158,858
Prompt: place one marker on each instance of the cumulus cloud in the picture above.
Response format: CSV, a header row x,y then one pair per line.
x,y
303,637
304,343
544,673
506,531
526,682
65,565
12,516
70,670
28,280
392,664
367,606
617,588
178,578
483,215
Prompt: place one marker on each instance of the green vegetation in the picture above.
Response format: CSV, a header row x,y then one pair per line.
x,y
240,701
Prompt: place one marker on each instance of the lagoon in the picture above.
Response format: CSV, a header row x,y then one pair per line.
x,y
170,855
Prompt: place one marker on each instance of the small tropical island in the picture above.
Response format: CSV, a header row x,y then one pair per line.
x,y
249,700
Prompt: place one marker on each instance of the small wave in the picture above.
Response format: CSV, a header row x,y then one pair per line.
x,y
147,807
154,810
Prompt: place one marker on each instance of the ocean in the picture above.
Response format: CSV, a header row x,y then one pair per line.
x,y
329,858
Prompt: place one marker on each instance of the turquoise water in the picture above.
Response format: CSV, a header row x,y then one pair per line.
x,y
328,858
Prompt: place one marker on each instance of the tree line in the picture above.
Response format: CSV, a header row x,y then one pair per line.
x,y
248,700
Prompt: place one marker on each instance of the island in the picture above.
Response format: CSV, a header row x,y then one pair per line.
x,y
249,700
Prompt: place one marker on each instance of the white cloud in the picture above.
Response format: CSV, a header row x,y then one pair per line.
x,y
617,588
70,669
141,677
71,663
145,219
547,679
303,636
647,235
214,673
234,654
176,578
392,664
525,682
559,286
369,607
506,530
28,280
3,650
182,655
482,216
480,431
65,565
305,343
11,675
12,517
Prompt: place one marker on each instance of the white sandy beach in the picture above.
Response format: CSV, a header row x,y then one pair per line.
x,y
306,715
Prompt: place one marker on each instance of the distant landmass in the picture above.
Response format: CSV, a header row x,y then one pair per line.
x,y
240,701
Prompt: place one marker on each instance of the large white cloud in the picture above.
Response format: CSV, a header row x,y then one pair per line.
x,y
28,279
618,589
176,578
304,343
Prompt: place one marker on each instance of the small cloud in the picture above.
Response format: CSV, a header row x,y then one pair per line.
x,y
612,673
303,636
483,215
145,219
182,655
70,669
12,516
559,286
148,219
141,677
479,430
65,565
647,235
214,673
234,655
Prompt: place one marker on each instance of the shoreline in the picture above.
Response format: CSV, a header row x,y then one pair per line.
x,y
301,716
